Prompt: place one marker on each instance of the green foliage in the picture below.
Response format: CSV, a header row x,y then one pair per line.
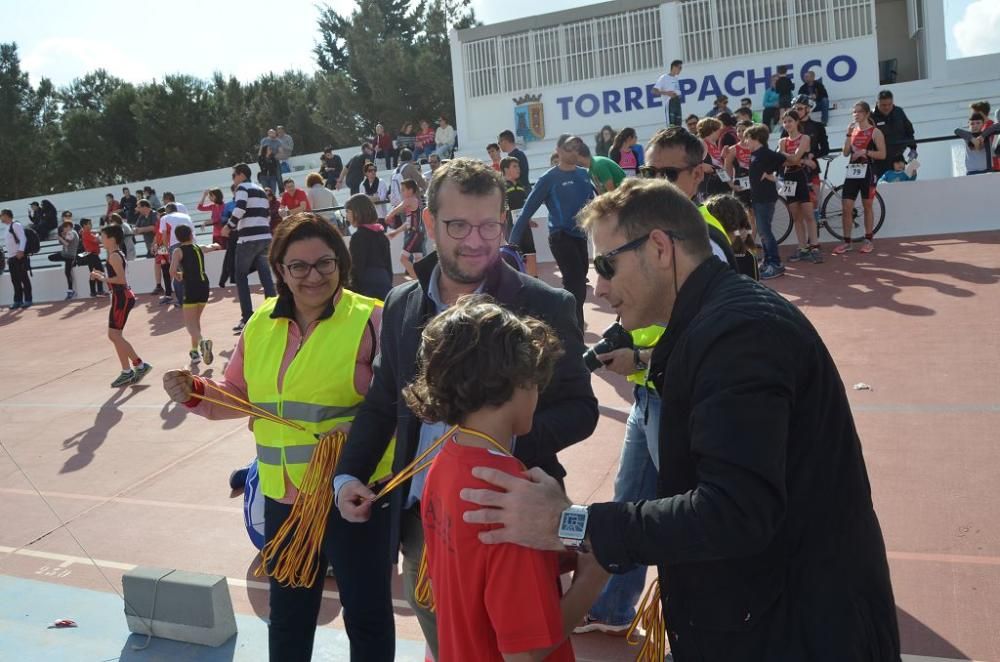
x,y
388,61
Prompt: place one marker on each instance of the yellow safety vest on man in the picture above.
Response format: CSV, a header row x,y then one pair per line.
x,y
317,390
645,338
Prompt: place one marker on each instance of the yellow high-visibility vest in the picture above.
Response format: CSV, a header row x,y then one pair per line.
x,y
645,338
317,390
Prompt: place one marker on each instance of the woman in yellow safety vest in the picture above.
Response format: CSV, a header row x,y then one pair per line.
x,y
307,356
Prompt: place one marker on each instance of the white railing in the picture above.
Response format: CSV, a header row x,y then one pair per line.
x,y
480,60
595,48
719,29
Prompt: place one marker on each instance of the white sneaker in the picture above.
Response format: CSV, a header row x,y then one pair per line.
x,y
206,351
589,624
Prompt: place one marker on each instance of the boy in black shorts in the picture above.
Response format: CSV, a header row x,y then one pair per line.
x,y
187,264
122,302
516,194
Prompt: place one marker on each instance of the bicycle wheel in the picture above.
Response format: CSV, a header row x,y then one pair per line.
x,y
781,223
833,210
878,212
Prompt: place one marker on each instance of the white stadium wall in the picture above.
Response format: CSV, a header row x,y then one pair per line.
x,y
848,69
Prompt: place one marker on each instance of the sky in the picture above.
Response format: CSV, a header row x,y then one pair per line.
x,y
973,27
64,40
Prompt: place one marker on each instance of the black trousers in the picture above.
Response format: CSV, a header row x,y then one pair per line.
x,y
19,278
570,254
360,559
93,262
168,282
68,264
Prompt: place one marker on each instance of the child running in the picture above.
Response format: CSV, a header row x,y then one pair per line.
x,y
481,368
187,264
412,223
122,302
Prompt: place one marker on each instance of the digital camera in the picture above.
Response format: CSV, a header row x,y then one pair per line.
x,y
614,337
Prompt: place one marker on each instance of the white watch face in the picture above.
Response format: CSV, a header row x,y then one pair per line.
x,y
573,523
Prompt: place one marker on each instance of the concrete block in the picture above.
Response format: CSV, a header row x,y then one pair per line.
x,y
179,605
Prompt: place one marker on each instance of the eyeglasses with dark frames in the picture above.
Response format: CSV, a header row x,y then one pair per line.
x,y
460,229
299,270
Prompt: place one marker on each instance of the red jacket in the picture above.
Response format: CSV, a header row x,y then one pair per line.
x,y
90,242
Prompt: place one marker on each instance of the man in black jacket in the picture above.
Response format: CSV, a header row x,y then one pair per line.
x,y
465,200
764,532
897,130
815,91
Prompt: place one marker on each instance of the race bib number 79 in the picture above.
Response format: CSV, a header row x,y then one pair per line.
x,y
856,170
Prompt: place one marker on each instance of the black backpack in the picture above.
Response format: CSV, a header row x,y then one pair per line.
x,y
31,243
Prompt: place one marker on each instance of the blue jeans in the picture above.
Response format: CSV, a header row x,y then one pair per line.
x,y
636,481
764,213
252,255
273,183
823,106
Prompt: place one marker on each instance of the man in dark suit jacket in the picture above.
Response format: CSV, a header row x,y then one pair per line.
x,y
763,532
465,202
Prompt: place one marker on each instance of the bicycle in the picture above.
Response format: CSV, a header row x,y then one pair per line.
x,y
831,212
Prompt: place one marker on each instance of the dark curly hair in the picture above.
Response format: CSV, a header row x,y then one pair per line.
x,y
474,355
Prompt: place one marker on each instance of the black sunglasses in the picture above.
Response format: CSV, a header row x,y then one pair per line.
x,y
669,172
603,265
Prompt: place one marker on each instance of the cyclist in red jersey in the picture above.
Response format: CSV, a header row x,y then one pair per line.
x,y
796,146
864,144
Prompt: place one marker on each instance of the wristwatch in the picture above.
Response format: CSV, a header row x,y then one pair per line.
x,y
639,363
573,527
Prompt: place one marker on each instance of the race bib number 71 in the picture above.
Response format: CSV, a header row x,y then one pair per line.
x,y
786,189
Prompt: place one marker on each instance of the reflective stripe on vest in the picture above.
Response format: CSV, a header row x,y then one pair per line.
x,y
645,338
305,411
317,389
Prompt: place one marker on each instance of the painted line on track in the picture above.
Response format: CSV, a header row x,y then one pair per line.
x,y
67,560
123,500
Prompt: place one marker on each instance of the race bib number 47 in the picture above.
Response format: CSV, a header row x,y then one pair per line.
x,y
856,170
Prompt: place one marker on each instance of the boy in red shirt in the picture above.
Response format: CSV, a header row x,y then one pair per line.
x,y
294,199
92,255
481,368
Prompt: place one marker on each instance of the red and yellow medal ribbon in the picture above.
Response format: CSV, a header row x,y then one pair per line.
x,y
292,556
